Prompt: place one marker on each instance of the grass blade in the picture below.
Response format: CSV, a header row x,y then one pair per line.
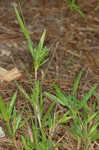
x,y
10,106
95,137
40,46
92,117
86,97
3,109
76,83
25,143
51,96
24,31
47,113
93,129
23,92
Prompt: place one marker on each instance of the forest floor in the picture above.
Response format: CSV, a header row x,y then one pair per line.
x,y
70,38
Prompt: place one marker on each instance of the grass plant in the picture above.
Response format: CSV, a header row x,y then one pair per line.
x,y
84,120
12,120
41,140
41,121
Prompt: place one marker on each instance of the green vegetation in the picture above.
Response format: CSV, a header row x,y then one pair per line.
x,y
98,4
72,4
83,119
12,120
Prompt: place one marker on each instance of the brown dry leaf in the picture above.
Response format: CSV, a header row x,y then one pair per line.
x,y
9,75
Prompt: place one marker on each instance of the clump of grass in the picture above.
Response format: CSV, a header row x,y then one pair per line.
x,y
12,120
84,120
40,139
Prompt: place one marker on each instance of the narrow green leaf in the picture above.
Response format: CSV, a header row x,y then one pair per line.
x,y
25,143
43,62
40,46
46,116
24,31
10,106
93,129
95,136
16,123
3,109
64,119
51,96
65,99
23,92
86,97
92,117
76,83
